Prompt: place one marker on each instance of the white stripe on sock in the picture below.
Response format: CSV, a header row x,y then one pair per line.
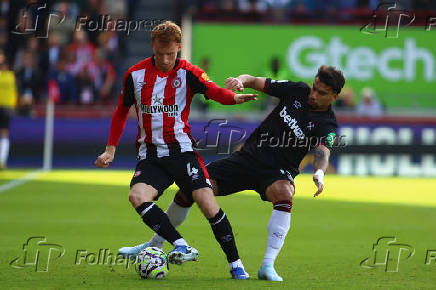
x,y
224,214
147,209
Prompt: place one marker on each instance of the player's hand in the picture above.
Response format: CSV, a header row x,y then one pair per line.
x,y
242,98
105,158
234,84
318,178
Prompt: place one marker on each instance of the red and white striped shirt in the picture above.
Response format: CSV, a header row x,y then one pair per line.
x,y
162,102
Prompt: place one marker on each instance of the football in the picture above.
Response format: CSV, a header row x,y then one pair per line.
x,y
152,263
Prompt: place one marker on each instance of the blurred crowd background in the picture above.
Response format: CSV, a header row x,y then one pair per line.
x,y
63,51
79,67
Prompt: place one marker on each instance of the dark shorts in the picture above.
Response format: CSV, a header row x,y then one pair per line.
x,y
187,170
240,171
5,117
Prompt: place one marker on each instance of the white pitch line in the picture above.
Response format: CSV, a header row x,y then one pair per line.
x,y
20,181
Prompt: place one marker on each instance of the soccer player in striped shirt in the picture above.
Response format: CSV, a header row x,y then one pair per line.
x,y
161,89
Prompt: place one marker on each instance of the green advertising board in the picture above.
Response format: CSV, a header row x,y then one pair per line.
x,y
400,70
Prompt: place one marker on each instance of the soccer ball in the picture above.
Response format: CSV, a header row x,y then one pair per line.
x,y
152,263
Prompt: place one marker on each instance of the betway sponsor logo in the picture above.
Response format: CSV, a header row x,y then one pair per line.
x,y
171,110
306,54
292,123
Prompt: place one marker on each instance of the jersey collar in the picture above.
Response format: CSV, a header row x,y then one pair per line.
x,y
164,74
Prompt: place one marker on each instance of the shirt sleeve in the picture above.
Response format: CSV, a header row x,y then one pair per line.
x,y
327,135
283,89
199,82
119,118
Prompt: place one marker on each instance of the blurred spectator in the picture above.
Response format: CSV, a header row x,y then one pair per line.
x,y
276,71
102,75
8,100
63,82
32,45
64,29
370,105
345,101
252,6
54,49
93,9
29,80
80,52
3,32
108,42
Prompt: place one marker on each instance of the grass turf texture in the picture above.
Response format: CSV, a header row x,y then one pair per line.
x,y
329,235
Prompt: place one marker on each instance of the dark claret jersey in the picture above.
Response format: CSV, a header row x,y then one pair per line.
x,y
291,129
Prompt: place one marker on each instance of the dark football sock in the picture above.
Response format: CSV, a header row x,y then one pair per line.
x,y
224,235
158,221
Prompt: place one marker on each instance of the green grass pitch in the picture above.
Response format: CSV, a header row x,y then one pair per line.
x,y
329,237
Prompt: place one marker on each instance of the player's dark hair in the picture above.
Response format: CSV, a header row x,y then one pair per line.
x,y
332,77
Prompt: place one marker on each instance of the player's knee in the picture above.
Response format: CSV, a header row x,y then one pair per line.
x,y
280,190
182,200
139,195
135,198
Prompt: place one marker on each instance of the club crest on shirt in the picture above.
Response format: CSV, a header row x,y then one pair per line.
x,y
176,83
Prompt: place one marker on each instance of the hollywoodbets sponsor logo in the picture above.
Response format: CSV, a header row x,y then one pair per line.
x,y
171,110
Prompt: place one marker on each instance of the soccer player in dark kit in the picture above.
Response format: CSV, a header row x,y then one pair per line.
x,y
161,89
268,161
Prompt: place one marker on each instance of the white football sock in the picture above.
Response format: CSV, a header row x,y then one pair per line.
x,y
236,264
176,215
4,150
278,228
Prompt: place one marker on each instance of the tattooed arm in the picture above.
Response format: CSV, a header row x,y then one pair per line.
x,y
320,164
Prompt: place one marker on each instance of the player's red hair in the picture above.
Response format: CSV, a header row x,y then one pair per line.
x,y
167,32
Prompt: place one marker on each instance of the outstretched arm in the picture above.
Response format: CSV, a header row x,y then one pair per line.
x,y
118,123
245,81
199,83
320,164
